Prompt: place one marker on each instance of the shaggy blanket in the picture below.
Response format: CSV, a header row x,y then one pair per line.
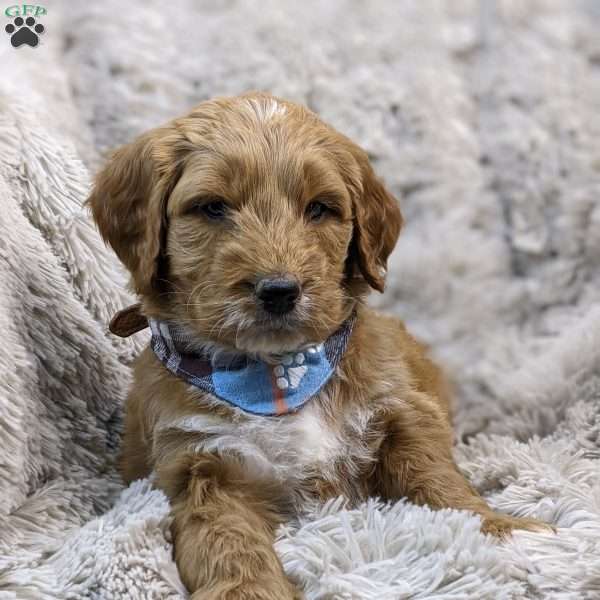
x,y
481,117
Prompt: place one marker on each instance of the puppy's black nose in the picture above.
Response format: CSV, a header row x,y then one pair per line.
x,y
278,294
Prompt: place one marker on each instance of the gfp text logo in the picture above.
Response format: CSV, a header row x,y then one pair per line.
x,y
24,30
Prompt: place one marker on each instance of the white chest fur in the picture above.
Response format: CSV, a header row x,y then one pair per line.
x,y
285,448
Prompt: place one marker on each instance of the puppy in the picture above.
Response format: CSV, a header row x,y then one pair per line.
x,y
253,233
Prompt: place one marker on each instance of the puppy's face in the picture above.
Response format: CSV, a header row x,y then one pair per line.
x,y
248,221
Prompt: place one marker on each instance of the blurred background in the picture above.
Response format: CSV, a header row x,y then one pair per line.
x,y
480,115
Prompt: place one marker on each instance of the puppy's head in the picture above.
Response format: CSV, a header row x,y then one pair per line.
x,y
249,221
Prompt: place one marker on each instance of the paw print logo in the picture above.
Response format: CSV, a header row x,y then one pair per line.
x,y
292,368
24,32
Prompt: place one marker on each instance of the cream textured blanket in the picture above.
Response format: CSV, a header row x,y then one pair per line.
x,y
481,116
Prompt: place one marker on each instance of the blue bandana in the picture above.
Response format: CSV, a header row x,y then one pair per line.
x,y
254,386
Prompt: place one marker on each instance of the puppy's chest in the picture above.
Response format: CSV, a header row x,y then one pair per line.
x,y
290,448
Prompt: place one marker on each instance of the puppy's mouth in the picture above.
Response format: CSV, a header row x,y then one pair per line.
x,y
266,321
266,329
262,319
273,332
271,336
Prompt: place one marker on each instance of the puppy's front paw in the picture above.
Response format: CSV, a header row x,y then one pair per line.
x,y
501,526
268,590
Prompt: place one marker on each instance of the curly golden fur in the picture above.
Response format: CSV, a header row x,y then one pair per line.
x,y
380,426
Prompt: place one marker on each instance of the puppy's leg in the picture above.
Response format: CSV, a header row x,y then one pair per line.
x,y
135,453
223,530
416,462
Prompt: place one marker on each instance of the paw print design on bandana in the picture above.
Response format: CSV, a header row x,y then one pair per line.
x,y
254,386
292,368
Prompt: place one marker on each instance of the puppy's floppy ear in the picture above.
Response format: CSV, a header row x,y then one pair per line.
x,y
377,224
128,205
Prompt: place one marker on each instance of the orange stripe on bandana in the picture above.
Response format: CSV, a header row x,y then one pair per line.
x,y
281,407
244,382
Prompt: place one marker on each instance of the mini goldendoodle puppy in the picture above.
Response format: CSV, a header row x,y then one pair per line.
x,y
253,233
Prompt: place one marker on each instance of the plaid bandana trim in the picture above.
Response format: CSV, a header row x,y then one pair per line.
x,y
254,386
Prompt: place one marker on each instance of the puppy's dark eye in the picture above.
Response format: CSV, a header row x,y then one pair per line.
x,y
315,211
215,209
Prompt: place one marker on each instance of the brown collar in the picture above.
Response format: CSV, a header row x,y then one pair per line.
x,y
128,321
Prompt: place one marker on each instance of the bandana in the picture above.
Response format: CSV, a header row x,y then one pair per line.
x,y
254,386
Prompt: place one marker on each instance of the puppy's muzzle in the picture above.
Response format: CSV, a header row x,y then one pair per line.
x,y
278,294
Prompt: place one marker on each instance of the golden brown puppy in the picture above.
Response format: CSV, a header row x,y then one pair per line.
x,y
253,232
